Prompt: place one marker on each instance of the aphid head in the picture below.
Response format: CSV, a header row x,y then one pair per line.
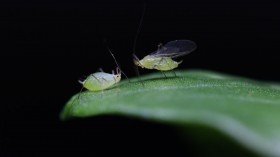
x,y
136,60
118,74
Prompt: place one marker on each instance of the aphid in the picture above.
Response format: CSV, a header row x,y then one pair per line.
x,y
100,80
162,59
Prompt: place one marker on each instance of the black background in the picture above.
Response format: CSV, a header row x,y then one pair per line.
x,y
46,46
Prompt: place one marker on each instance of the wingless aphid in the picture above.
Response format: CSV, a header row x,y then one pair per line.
x,y
100,81
162,59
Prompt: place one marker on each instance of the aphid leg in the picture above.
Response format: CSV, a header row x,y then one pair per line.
x,y
171,69
76,99
174,73
80,92
96,78
102,93
105,81
71,109
136,64
163,74
160,61
137,70
138,74
102,84
81,82
159,64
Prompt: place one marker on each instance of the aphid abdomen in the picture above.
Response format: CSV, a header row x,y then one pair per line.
x,y
159,63
166,63
169,67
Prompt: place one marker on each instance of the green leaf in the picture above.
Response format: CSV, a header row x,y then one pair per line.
x,y
247,111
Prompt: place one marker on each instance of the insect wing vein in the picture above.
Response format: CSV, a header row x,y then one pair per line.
x,y
175,48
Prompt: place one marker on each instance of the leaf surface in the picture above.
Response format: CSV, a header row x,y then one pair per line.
x,y
248,111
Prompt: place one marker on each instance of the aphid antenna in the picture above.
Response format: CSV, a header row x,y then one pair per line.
x,y
105,43
135,58
139,28
117,63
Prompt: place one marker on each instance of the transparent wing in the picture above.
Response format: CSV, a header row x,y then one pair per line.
x,y
175,48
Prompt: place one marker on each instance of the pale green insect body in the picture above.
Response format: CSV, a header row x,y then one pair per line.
x,y
158,63
162,58
100,80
